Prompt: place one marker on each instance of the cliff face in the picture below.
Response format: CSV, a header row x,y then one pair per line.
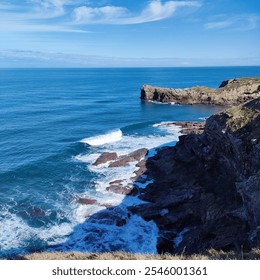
x,y
206,190
231,92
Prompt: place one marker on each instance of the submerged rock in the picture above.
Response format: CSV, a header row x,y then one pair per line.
x,y
231,92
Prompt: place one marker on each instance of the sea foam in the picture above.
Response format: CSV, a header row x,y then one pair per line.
x,y
103,139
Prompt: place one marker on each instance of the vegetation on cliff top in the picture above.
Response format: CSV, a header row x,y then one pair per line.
x,y
209,255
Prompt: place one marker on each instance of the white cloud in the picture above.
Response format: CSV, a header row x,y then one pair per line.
x,y
218,24
35,16
106,13
240,22
154,11
64,15
51,8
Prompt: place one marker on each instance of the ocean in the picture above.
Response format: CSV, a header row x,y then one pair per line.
x,y
54,123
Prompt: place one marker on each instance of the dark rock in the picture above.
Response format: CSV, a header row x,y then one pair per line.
x,y
105,157
134,156
119,181
142,169
210,185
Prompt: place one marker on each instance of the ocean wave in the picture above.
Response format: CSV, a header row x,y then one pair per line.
x,y
16,236
101,233
169,127
103,139
25,236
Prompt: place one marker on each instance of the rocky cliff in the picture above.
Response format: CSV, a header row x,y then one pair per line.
x,y
231,92
206,189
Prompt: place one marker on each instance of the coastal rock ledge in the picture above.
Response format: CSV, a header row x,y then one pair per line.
x,y
230,92
206,189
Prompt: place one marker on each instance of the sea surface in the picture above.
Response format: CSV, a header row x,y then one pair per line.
x,y
54,123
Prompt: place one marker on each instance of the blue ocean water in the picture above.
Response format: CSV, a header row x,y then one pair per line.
x,y
55,122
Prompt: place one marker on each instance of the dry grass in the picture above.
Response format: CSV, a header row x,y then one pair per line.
x,y
209,255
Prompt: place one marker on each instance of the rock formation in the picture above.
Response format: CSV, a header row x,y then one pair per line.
x,y
134,156
231,92
206,189
187,127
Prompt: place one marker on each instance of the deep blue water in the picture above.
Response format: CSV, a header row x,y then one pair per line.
x,y
45,113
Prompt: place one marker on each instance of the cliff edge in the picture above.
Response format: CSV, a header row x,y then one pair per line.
x,y
206,189
230,92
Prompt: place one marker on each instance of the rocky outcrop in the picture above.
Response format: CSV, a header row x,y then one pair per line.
x,y
206,189
231,92
105,157
134,156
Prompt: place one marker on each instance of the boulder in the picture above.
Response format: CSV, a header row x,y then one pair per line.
x,y
119,189
105,157
134,156
87,201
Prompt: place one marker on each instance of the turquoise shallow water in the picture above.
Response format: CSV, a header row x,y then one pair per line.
x,y
44,165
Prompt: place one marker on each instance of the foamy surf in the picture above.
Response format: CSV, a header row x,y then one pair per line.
x,y
16,234
169,127
103,139
83,215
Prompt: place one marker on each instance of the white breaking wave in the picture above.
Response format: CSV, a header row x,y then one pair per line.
x,y
103,139
15,233
105,175
103,235
169,127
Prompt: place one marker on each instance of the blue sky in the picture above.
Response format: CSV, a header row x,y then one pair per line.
x,y
130,33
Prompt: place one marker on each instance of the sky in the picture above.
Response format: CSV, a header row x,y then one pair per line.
x,y
129,33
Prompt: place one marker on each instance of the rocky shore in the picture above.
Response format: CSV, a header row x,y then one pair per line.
x,y
230,92
202,193
206,189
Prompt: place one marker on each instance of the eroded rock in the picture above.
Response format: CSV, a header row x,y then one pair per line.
x,y
210,185
231,92
105,157
134,156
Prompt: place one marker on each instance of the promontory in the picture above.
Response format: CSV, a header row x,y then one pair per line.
x,y
230,92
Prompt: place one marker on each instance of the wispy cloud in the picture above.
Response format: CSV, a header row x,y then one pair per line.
x,y
65,15
36,16
239,22
20,58
154,11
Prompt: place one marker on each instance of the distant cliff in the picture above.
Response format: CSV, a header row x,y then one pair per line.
x,y
206,189
231,92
